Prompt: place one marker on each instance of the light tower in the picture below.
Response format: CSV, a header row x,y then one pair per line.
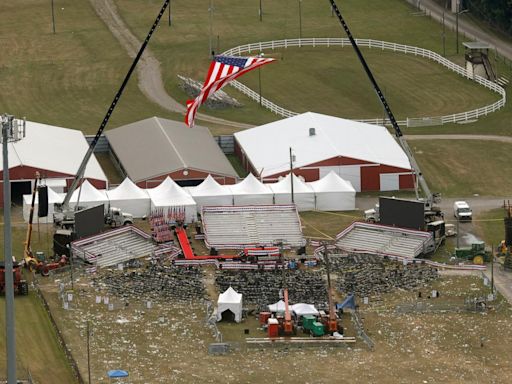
x,y
12,131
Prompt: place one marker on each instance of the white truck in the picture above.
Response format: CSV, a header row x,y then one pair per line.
x,y
117,218
462,211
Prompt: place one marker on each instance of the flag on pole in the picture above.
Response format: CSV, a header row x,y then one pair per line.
x,y
223,69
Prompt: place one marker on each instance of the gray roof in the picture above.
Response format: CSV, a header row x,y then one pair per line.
x,y
476,45
156,146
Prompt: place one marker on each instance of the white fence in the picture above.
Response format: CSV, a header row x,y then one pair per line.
x,y
383,45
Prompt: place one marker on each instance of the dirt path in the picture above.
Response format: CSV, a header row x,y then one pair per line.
x,y
150,80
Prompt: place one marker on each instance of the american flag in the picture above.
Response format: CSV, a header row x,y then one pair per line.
x,y
222,70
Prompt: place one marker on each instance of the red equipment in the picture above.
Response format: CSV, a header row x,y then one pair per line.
x,y
287,324
20,285
332,322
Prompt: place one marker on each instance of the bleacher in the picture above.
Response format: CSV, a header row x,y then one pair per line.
x,y
239,227
115,247
383,240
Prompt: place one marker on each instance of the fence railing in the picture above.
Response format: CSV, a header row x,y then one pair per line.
x,y
374,44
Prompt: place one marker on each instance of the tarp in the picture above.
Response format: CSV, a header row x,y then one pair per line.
x,y
53,198
251,191
117,373
332,193
130,198
277,307
301,309
210,193
169,194
230,300
88,196
303,195
349,302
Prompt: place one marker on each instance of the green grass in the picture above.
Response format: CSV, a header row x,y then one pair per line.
x,y
464,168
490,226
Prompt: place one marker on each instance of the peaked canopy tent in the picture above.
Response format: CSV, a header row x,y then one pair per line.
x,y
169,194
53,198
277,307
88,196
232,301
130,198
211,193
251,191
303,195
332,193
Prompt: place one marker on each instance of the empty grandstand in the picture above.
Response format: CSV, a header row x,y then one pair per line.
x,y
239,227
384,240
118,246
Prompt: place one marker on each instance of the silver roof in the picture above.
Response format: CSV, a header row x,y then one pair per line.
x,y
156,146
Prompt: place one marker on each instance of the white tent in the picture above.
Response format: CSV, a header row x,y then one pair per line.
x,y
332,193
301,309
130,198
169,194
251,191
210,193
53,198
303,195
277,307
230,300
88,196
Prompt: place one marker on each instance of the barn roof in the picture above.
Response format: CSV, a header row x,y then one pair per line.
x,y
268,146
52,148
156,146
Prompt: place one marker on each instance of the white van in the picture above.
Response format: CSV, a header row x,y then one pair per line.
x,y
462,211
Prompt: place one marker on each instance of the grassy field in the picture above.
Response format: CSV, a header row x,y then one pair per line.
x,y
69,79
464,168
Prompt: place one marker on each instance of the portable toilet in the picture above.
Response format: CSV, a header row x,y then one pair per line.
x,y
317,329
273,327
264,316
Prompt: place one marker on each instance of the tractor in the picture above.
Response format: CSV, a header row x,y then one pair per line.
x,y
476,253
20,285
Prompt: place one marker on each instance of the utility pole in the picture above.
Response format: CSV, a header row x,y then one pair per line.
x,y
291,173
210,10
169,13
88,352
300,19
444,37
53,18
261,11
12,131
259,76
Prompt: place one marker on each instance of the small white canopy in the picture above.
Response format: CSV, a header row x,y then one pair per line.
x,y
277,307
301,309
230,300
89,196
169,194
53,198
130,198
251,191
211,193
303,195
332,193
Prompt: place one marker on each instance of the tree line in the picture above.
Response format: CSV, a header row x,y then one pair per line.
x,y
496,13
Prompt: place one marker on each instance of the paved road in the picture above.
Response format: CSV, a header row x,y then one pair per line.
x,y
502,139
502,281
148,69
435,11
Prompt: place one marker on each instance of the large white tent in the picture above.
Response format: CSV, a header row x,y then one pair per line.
x,y
303,195
88,196
301,309
211,193
130,198
53,198
332,193
232,301
169,194
251,191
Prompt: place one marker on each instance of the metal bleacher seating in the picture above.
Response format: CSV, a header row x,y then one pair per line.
x,y
237,227
371,238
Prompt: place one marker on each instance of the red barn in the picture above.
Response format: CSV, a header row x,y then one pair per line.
x,y
366,155
54,152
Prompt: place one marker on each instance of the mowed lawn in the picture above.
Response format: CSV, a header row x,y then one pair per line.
x,y
68,78
465,167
